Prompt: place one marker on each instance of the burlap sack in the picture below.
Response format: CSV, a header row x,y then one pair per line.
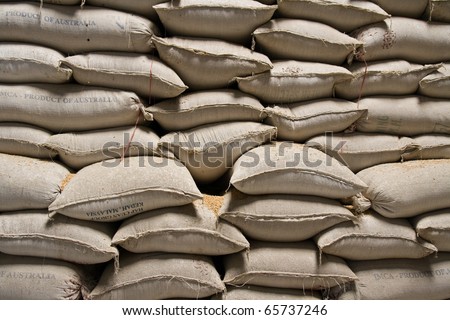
x,y
23,63
31,233
289,168
142,8
209,151
80,149
434,227
192,228
373,237
300,81
282,218
430,146
438,10
405,115
24,140
155,276
28,183
208,63
293,265
143,74
302,120
68,107
363,150
227,20
113,190
403,190
251,292
206,107
72,29
436,84
344,15
403,8
304,40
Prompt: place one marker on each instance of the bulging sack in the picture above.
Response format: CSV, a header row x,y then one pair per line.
x,y
227,20
207,63
405,115
282,218
289,168
400,279
24,140
434,227
30,278
344,15
113,190
429,146
139,7
209,151
206,107
373,237
72,29
391,77
25,63
300,81
156,276
68,107
393,39
251,292
29,183
31,233
403,8
192,229
302,120
294,265
80,149
363,150
143,74
436,84
438,10
304,40
403,190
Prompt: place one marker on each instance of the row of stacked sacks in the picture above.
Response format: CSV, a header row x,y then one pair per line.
x,y
209,87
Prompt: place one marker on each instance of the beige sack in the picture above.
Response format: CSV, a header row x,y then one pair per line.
x,y
251,292
290,168
80,149
302,120
143,74
344,15
207,63
430,146
31,233
29,278
403,8
294,265
192,228
228,20
403,190
72,29
304,40
390,77
142,8
205,107
23,63
405,115
282,218
363,150
24,140
68,107
401,279
28,183
436,84
209,151
394,39
156,276
300,81
435,228
113,190
373,237
438,10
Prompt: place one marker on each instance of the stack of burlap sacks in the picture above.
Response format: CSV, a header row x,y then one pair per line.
x,y
117,117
